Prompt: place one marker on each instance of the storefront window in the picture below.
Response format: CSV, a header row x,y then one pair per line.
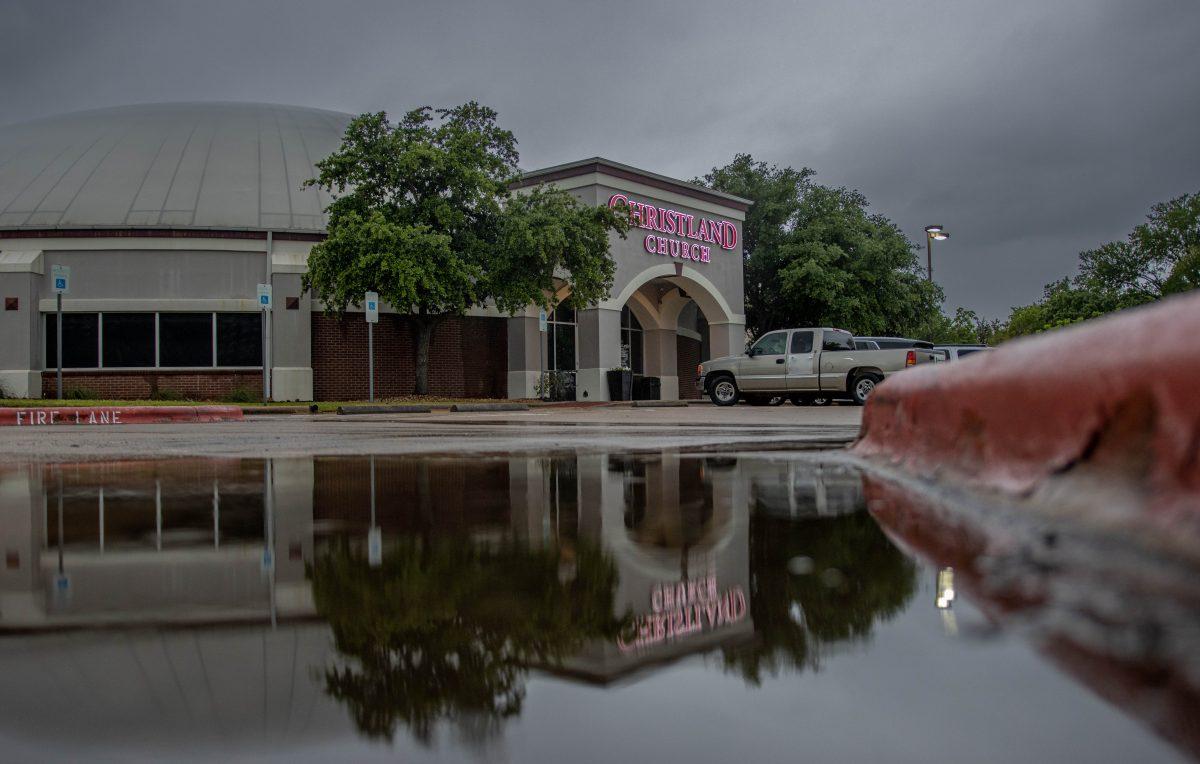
x,y
156,340
631,341
560,337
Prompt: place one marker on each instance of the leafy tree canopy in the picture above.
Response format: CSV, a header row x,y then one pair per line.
x,y
815,256
1158,258
423,215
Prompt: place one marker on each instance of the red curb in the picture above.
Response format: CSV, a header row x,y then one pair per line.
x,y
1116,400
115,415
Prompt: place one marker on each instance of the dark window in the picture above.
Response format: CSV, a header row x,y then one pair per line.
x,y
631,341
560,337
81,340
968,351
802,342
837,341
185,339
128,340
892,344
774,343
239,339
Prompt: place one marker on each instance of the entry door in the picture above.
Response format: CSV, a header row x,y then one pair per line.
x,y
802,371
766,368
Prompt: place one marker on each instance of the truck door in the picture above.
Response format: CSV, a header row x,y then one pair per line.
x,y
802,371
837,359
765,364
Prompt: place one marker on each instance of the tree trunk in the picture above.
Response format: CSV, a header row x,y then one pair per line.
x,y
424,326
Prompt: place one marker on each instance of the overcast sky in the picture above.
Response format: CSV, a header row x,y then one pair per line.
x,y
1031,130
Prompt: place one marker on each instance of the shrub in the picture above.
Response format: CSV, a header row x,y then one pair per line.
x,y
243,394
81,394
167,395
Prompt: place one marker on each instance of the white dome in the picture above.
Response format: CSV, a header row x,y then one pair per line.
x,y
225,166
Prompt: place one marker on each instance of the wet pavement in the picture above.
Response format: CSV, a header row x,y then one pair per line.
x,y
580,604
595,429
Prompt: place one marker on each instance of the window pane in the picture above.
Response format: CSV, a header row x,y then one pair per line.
x,y
774,343
81,340
239,339
837,341
128,340
967,351
564,347
185,339
802,342
565,312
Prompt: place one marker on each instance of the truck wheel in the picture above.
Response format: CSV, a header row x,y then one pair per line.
x,y
723,391
798,400
822,401
863,386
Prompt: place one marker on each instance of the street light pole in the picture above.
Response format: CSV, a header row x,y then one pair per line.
x,y
932,232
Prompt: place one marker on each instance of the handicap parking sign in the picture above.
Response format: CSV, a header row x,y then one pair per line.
x,y
61,274
264,296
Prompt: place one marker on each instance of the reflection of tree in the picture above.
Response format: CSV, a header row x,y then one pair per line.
x,y
857,577
446,629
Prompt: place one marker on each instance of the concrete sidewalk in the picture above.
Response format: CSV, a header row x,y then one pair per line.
x,y
539,429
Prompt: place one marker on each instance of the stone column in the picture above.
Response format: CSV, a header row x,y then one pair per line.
x,y
726,338
662,360
291,340
524,356
21,324
598,350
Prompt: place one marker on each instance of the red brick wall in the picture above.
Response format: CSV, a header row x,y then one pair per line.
x,y
190,385
687,356
468,358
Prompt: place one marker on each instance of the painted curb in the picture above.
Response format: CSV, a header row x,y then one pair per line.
x,y
1113,403
116,415
660,404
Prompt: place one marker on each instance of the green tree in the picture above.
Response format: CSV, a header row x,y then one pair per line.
x,y
814,256
422,214
1158,258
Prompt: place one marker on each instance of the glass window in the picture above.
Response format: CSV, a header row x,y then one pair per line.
x,y
185,339
128,340
837,341
239,339
802,342
631,341
81,340
967,351
774,343
560,337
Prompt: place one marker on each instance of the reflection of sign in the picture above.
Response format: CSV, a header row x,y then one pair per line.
x,y
683,608
372,308
375,547
61,274
682,225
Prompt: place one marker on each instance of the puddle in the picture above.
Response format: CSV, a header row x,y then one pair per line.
x,y
599,607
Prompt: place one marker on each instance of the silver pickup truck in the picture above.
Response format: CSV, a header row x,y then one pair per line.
x,y
803,365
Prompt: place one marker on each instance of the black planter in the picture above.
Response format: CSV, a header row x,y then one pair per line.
x,y
620,385
647,388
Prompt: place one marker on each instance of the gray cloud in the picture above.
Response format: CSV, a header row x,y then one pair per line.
x,y
1032,130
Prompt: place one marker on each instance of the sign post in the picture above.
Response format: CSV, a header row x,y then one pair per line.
x,y
372,314
62,285
264,304
544,392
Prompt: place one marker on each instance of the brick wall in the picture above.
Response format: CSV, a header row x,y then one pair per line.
x,y
687,356
190,385
468,357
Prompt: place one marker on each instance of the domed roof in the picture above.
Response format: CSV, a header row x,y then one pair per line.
x,y
183,165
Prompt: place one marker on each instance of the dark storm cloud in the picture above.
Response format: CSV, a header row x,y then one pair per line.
x,y
1030,129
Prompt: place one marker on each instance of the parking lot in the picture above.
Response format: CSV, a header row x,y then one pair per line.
x,y
541,428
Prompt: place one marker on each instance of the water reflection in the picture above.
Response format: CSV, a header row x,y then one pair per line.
x,y
419,596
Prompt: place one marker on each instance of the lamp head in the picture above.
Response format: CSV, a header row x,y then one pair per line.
x,y
940,236
932,229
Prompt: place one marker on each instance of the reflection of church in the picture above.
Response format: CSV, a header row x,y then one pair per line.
x,y
241,544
